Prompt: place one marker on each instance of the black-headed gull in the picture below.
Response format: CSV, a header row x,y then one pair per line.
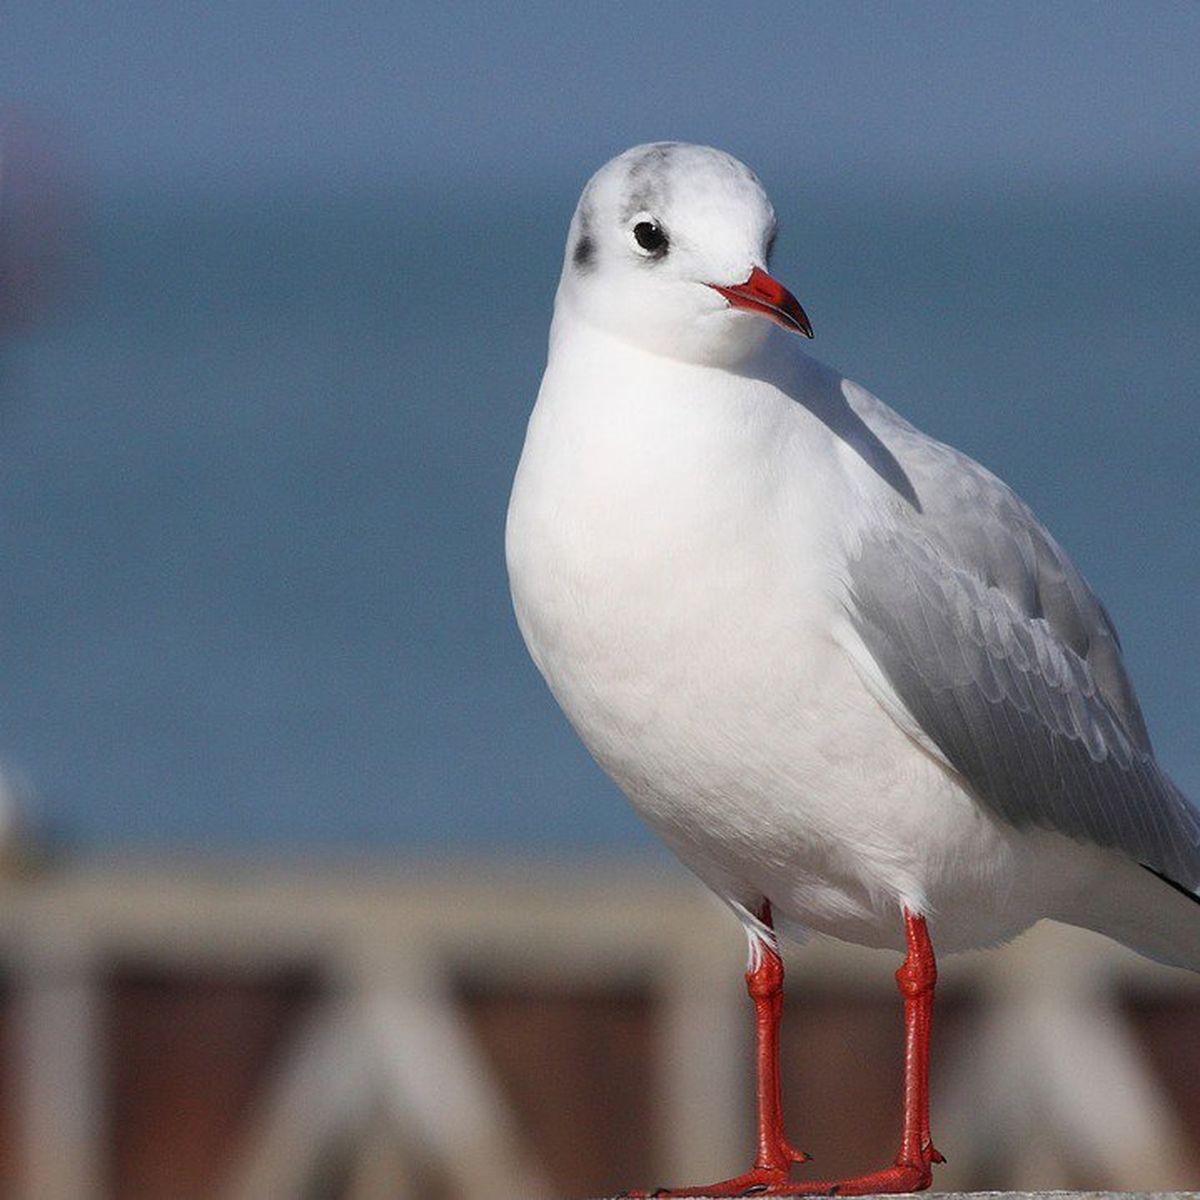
x,y
837,665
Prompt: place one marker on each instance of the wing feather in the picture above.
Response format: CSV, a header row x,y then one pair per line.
x,y
1000,652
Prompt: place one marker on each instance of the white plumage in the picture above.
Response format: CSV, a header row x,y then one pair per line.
x,y
837,666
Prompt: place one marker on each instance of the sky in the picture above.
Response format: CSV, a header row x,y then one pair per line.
x,y
237,95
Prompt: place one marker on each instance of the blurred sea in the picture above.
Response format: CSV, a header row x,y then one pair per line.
x,y
254,484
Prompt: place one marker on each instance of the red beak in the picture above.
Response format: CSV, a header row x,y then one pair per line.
x,y
764,295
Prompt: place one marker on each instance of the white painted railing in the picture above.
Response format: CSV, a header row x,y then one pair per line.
x,y
1050,1074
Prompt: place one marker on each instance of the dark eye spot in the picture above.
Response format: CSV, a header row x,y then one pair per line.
x,y
585,249
649,235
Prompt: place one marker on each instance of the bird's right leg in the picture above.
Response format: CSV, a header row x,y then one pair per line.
x,y
775,1155
764,982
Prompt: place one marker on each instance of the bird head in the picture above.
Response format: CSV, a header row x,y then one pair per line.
x,y
668,250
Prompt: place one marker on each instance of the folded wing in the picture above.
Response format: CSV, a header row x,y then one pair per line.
x,y
1009,664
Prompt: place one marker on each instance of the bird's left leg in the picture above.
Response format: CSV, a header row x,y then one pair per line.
x,y
916,979
911,1171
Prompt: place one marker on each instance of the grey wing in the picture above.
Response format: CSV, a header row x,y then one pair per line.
x,y
1011,666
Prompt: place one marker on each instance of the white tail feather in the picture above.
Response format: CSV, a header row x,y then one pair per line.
x,y
1141,910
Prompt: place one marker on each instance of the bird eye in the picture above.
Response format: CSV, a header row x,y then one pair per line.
x,y
651,238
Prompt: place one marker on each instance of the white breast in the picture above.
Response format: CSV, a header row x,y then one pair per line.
x,y
677,588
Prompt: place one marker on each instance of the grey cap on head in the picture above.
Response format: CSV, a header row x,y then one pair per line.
x,y
646,179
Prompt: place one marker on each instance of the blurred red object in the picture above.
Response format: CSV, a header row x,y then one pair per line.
x,y
39,220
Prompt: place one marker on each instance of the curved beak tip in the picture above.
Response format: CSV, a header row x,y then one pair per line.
x,y
767,297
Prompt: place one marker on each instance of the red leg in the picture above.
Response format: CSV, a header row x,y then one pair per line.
x,y
916,979
769,1176
764,982
774,1157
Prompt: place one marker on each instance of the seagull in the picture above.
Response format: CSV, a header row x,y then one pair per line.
x,y
838,666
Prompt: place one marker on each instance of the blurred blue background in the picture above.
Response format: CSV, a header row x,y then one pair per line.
x,y
256,459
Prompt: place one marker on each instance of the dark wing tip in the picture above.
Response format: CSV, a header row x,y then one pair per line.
x,y
1172,883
